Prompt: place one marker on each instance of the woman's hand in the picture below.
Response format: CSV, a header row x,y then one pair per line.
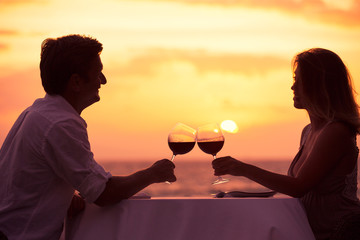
x,y
227,165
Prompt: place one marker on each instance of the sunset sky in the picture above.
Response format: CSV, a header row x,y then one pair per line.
x,y
189,61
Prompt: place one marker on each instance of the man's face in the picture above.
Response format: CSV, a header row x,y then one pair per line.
x,y
93,82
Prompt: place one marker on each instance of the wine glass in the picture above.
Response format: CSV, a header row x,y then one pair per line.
x,y
181,140
210,140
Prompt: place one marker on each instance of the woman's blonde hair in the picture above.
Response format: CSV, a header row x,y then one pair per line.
x,y
327,86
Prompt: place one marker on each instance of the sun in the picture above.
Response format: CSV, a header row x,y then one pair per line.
x,y
229,126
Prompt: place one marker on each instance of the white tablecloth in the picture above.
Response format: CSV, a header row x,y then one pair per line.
x,y
193,219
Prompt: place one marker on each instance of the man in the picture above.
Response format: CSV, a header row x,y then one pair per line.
x,y
47,155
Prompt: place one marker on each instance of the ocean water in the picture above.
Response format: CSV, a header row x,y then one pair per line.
x,y
194,178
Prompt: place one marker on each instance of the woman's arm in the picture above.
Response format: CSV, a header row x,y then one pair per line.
x,y
277,182
331,145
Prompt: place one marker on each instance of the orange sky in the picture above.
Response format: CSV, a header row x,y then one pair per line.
x,y
190,61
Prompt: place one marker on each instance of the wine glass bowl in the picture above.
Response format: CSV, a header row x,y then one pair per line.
x,y
211,147
181,139
210,140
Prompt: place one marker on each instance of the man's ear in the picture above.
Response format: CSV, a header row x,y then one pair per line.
x,y
75,82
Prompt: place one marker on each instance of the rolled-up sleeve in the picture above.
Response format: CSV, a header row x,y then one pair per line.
x,y
67,151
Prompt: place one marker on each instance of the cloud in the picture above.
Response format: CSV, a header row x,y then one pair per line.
x,y
327,11
229,105
232,82
203,61
3,46
6,32
18,2
171,79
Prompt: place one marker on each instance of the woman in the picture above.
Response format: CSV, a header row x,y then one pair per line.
x,y
324,172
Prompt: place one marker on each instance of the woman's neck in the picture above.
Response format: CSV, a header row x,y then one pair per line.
x,y
317,123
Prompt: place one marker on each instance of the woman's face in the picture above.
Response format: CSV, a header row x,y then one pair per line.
x,y
298,90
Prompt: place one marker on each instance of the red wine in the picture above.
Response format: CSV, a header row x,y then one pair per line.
x,y
181,147
211,147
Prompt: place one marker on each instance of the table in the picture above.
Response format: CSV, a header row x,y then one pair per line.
x,y
193,219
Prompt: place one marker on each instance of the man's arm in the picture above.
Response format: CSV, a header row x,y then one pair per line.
x,y
119,187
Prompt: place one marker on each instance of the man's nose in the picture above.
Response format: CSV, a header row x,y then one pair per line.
x,y
102,79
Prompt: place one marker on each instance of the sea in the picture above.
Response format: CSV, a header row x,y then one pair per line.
x,y
194,178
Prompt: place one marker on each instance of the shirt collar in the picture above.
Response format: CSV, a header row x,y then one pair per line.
x,y
60,100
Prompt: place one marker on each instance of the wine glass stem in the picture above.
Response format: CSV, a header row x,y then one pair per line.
x,y
172,159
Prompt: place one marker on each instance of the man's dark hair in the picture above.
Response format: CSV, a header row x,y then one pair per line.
x,y
64,56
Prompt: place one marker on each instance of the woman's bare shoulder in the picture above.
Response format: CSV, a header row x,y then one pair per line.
x,y
339,129
337,136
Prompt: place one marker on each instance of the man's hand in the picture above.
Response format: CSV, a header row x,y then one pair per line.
x,y
77,205
163,170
